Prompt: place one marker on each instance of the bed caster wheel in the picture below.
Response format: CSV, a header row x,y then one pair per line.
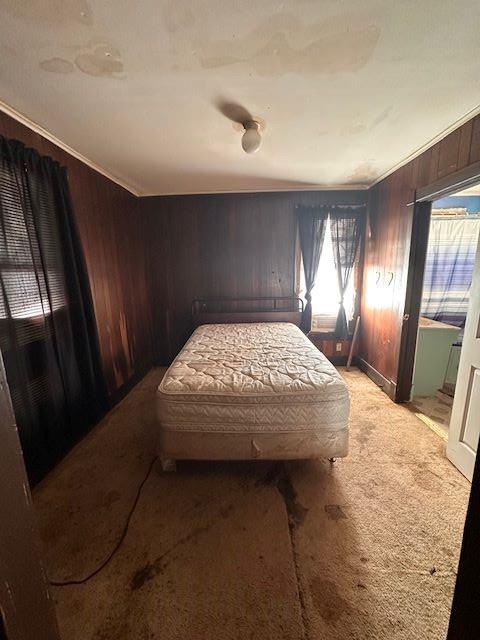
x,y
332,460
168,465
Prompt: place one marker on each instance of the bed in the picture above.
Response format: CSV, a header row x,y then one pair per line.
x,y
247,390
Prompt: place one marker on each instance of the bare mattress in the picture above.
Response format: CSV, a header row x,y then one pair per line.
x,y
259,390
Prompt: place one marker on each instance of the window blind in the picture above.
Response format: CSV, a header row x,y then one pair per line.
x,y
47,333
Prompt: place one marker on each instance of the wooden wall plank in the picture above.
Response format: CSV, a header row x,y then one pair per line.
x,y
465,145
434,159
448,154
475,141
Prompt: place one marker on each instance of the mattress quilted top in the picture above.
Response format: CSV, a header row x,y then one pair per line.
x,y
254,359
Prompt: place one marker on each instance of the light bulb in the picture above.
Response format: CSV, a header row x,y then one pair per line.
x,y
251,139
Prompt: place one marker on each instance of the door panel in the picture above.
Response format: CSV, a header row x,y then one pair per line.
x,y
465,423
472,405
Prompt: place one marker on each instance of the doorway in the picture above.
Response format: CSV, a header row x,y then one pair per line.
x,y
439,372
449,267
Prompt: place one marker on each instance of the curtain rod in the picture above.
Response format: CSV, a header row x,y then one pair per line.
x,y
327,206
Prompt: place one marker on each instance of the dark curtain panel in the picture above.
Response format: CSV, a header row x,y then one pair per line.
x,y
47,330
311,225
346,227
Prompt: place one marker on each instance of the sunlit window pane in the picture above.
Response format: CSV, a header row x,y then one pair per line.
x,y
26,293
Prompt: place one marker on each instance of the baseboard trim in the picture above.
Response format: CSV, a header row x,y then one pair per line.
x,y
341,361
386,385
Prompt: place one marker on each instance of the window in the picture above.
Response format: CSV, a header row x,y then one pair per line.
x,y
46,328
326,294
24,271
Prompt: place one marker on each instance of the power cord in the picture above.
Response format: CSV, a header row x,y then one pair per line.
x,y
66,583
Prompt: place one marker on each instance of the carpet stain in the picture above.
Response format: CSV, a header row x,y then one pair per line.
x,y
277,476
296,511
335,512
328,601
364,433
152,569
144,574
428,479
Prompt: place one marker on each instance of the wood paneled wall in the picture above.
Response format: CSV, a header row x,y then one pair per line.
x,y
235,245
388,240
114,240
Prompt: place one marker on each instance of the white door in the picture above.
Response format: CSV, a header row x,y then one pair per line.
x,y
465,423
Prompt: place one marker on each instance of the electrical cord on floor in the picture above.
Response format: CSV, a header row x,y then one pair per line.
x,y
66,583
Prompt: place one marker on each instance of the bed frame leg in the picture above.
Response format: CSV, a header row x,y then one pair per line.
x,y
332,460
168,464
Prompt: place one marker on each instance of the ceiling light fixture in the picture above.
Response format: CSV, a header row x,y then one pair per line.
x,y
251,139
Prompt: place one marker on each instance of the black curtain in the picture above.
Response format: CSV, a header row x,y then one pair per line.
x,y
47,330
346,229
311,225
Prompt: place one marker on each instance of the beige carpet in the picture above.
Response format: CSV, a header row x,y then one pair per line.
x,y
365,550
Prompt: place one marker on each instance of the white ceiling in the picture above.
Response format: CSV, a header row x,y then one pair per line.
x,y
347,88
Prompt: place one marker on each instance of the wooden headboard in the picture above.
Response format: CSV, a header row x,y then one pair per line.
x,y
230,310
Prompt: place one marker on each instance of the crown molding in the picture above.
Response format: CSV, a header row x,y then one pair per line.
x,y
34,126
285,189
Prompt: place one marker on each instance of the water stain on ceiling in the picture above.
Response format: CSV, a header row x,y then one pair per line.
x,y
346,51
57,65
103,60
364,173
51,11
97,59
282,44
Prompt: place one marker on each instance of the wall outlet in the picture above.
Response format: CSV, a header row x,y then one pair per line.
x,y
338,347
